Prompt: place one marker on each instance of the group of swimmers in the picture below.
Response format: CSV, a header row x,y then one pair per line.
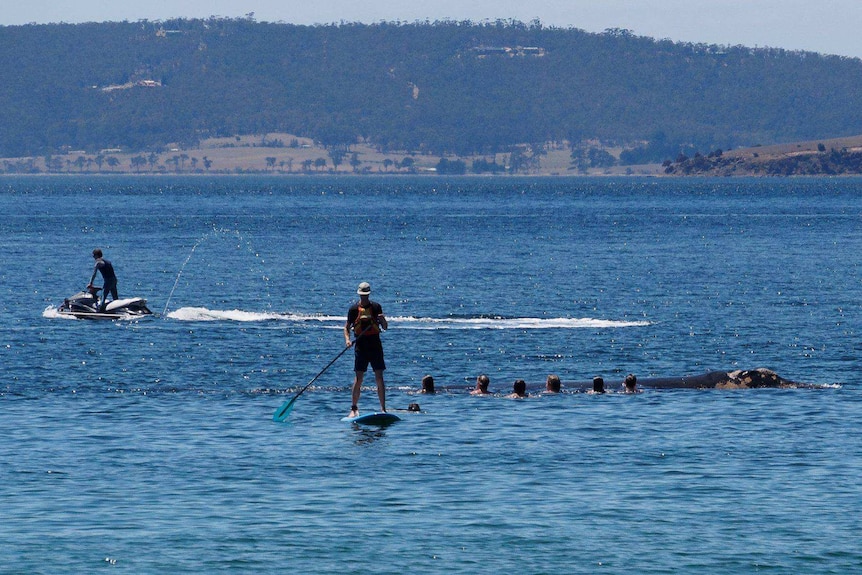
x,y
519,388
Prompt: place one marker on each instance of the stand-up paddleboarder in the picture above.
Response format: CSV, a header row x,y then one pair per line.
x,y
365,318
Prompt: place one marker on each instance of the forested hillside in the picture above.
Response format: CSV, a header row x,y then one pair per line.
x,y
443,87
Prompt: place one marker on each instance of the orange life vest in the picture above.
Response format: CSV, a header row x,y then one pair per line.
x,y
366,322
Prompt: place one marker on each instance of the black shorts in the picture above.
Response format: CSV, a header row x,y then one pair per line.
x,y
368,351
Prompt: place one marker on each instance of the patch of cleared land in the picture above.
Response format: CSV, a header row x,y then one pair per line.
x,y
850,143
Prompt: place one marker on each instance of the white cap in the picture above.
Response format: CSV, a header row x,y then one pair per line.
x,y
364,288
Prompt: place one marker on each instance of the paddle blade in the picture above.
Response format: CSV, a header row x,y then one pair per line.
x,y
282,412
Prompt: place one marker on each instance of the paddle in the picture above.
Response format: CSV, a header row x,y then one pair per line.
x,y
282,412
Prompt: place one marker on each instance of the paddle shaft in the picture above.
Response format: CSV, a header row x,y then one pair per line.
x,y
328,365
282,412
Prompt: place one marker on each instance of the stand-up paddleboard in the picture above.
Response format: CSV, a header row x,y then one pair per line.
x,y
377,418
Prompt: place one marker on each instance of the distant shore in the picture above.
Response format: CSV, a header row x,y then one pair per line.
x,y
288,155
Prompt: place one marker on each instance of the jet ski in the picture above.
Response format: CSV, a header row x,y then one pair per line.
x,y
85,305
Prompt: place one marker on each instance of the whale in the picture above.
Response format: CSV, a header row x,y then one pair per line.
x,y
738,379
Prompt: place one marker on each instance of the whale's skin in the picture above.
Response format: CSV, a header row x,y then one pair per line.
x,y
739,379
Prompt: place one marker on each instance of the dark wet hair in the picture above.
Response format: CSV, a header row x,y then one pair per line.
x,y
520,387
631,380
598,385
484,381
428,384
554,383
97,253
413,407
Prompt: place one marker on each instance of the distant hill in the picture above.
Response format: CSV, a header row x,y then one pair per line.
x,y
431,88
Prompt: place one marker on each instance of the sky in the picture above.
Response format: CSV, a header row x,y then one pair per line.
x,y
825,26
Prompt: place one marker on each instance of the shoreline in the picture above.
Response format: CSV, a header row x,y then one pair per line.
x,y
255,156
299,156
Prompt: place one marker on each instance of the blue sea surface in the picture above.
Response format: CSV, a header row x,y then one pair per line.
x,y
148,446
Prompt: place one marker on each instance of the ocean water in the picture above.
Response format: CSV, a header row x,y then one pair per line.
x,y
149,447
